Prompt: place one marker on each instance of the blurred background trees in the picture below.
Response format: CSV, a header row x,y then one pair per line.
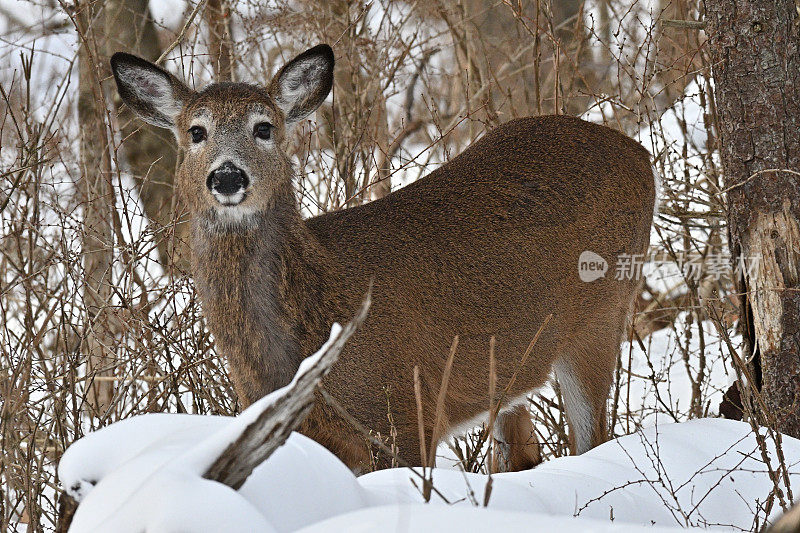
x,y
99,318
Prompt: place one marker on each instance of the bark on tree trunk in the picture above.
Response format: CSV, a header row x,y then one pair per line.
x,y
98,204
218,19
677,60
756,69
150,152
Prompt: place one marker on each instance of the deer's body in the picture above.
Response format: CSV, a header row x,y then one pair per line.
x,y
487,245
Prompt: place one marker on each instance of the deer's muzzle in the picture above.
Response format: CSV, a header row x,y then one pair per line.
x,y
228,183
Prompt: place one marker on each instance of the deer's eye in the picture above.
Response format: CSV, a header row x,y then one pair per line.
x,y
198,134
262,130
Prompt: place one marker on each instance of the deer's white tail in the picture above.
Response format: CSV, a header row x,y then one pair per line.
x,y
657,181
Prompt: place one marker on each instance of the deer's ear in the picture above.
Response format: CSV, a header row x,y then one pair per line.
x,y
154,94
301,86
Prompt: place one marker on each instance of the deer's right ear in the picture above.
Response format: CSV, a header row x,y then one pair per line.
x,y
151,92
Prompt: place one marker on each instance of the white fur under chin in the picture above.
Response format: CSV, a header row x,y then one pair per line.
x,y
230,201
232,217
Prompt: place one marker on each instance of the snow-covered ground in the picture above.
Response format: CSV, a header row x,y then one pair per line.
x,y
145,474
139,475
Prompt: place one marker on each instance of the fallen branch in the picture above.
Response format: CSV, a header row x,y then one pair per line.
x,y
274,425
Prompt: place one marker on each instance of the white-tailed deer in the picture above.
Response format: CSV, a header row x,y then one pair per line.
x,y
486,245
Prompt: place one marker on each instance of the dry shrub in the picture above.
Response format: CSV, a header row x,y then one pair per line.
x,y
416,82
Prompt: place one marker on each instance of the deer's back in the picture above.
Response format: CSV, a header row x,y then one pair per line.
x,y
527,195
488,244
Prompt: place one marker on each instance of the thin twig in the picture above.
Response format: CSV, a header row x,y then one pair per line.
x,y
183,31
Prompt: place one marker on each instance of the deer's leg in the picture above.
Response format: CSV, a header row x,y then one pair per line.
x,y
516,445
585,377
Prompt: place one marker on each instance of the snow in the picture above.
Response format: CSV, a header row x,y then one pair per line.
x,y
685,474
703,473
300,484
97,455
464,520
149,493
145,474
660,382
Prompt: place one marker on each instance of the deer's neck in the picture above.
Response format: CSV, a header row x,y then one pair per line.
x,y
266,294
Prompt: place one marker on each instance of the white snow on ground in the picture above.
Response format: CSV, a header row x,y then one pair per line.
x,y
465,520
660,383
704,473
145,474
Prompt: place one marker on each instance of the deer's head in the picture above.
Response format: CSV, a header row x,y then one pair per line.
x,y
231,135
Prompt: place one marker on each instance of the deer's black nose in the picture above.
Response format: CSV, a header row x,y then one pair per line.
x,y
227,179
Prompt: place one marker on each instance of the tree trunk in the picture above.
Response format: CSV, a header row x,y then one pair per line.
x,y
359,123
756,69
218,19
677,60
98,204
150,152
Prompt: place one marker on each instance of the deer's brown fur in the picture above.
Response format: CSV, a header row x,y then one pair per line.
x,y
486,245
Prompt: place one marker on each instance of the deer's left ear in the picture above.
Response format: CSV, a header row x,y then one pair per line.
x,y
301,86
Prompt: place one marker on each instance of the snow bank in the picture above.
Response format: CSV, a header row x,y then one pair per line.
x,y
300,484
464,520
146,474
131,476
705,473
